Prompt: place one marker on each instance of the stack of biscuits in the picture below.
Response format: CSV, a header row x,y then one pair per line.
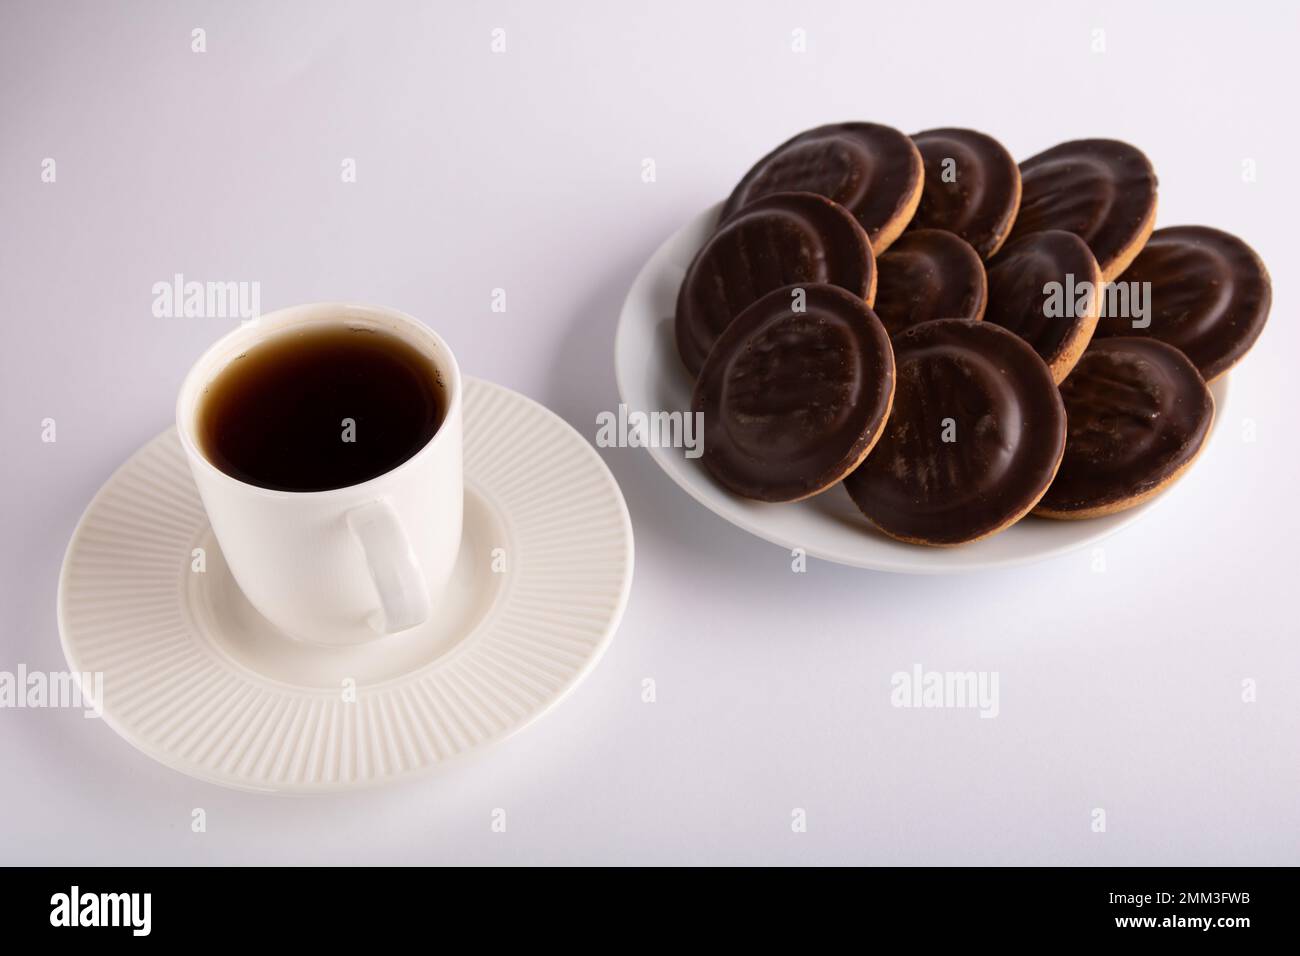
x,y
959,339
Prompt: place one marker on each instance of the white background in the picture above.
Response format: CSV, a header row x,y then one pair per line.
x,y
1120,690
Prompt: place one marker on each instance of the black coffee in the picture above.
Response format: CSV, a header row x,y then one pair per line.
x,y
320,408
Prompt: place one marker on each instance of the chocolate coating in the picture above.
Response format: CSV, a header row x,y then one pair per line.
x,y
1102,190
779,240
1139,412
873,171
1210,296
792,401
1017,300
929,274
1008,424
980,203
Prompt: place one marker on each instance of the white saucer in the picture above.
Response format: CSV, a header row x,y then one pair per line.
x,y
198,680
651,378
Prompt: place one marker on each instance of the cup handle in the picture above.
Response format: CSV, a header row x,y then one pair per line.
x,y
403,596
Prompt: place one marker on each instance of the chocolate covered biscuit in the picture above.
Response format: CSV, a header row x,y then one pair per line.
x,y
1209,296
1139,414
1102,190
1046,287
972,187
929,274
779,240
973,441
873,171
794,393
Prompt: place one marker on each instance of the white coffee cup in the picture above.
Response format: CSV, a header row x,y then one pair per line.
x,y
351,564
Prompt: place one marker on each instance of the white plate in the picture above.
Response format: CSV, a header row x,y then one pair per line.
x,y
196,679
651,377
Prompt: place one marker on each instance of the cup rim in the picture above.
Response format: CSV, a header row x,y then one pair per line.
x,y
311,313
